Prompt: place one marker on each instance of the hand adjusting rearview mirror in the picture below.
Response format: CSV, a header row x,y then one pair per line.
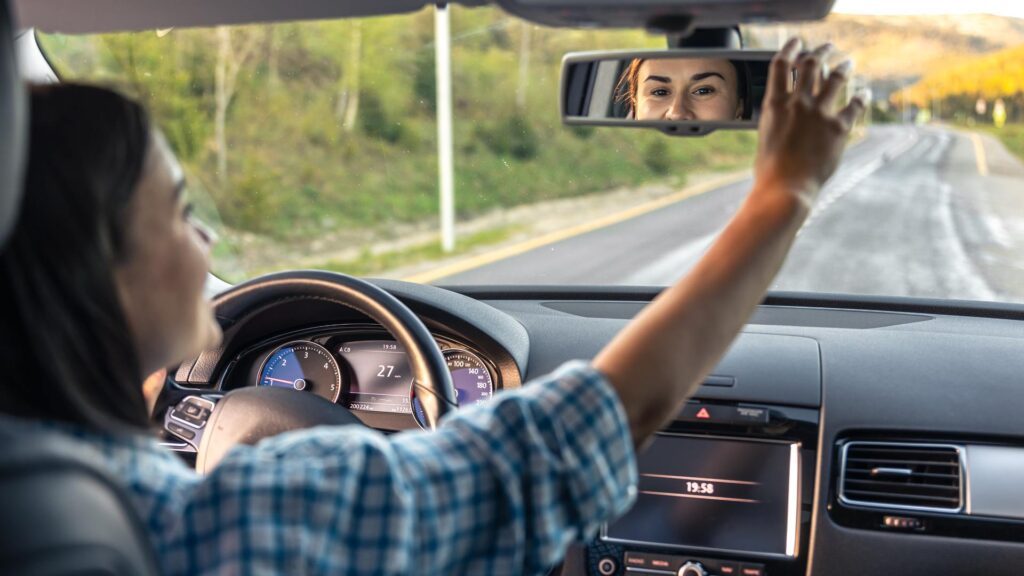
x,y
685,92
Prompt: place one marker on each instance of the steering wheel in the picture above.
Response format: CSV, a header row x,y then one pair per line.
x,y
246,415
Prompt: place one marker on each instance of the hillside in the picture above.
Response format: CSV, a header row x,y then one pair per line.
x,y
902,48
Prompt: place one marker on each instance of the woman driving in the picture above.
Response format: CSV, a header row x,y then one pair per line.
x,y
103,278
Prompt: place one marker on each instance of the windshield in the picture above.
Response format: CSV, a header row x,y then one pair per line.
x,y
315,145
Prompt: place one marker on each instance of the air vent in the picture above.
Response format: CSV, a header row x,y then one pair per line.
x,y
925,477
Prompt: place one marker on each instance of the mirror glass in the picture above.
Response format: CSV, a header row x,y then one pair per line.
x,y
677,87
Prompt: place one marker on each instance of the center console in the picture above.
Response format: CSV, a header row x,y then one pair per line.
x,y
725,490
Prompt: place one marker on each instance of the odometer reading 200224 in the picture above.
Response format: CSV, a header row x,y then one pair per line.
x,y
304,366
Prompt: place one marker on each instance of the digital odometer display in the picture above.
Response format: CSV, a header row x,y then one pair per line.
x,y
715,494
381,377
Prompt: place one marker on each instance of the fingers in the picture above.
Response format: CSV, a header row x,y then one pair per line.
x,y
781,73
810,66
851,112
835,82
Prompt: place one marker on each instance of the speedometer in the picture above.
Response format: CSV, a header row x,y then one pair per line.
x,y
304,366
472,379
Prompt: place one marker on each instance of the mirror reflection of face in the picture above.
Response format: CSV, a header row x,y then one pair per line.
x,y
688,89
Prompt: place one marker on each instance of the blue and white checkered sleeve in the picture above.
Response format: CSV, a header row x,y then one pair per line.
x,y
500,488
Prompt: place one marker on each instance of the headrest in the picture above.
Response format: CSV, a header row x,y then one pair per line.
x,y
12,126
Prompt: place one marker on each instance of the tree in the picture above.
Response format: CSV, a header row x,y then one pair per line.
x,y
347,109
229,62
273,56
524,66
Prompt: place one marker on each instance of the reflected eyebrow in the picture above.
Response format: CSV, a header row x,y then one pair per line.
x,y
703,75
662,79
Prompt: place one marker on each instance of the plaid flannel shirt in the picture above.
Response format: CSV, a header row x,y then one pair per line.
x,y
499,488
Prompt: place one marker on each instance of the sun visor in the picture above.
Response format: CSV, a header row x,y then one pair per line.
x,y
664,15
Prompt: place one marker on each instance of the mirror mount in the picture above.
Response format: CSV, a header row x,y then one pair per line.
x,y
728,38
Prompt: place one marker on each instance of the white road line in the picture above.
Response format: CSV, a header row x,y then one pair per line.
x,y
998,231
973,284
935,154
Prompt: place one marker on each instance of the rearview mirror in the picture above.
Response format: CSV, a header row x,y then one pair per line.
x,y
681,92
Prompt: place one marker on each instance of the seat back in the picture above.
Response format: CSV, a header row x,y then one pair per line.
x,y
12,126
61,515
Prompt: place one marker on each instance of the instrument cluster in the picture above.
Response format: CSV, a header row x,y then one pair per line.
x,y
370,374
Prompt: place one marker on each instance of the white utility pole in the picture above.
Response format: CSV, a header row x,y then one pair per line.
x,y
445,166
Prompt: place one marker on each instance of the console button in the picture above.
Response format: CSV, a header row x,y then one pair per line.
x,y
752,570
607,566
662,563
728,569
751,415
700,412
724,414
635,560
652,563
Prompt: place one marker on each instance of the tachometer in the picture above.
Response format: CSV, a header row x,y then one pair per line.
x,y
304,366
473,382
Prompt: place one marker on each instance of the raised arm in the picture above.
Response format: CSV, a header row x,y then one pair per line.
x,y
660,359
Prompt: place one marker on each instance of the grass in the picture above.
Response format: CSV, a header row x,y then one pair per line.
x,y
369,263
1011,135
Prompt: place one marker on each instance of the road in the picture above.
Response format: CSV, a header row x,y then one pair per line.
x,y
911,211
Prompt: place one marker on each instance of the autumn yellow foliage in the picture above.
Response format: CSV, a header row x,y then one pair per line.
x,y
995,75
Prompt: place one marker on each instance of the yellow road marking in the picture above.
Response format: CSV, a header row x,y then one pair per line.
x,y
979,154
559,235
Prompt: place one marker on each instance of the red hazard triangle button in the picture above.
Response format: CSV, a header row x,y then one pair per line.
x,y
703,414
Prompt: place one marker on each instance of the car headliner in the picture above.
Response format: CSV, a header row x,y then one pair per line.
x,y
93,16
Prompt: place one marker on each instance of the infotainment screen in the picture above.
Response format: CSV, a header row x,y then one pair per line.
x,y
715,494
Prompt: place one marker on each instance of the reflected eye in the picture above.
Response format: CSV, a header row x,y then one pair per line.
x,y
704,91
660,92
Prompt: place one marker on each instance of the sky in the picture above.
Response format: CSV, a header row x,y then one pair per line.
x,y
1000,7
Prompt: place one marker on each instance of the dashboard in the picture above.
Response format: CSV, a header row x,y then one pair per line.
x,y
362,369
838,436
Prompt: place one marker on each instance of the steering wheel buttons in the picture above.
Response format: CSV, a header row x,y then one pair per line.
x,y
194,411
181,431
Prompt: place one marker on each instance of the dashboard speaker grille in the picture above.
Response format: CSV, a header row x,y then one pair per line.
x,y
902,476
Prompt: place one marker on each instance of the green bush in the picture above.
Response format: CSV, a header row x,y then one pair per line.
x,y
512,136
249,203
657,156
582,132
424,82
375,120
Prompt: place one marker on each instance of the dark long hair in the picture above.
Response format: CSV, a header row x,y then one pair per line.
x,y
66,350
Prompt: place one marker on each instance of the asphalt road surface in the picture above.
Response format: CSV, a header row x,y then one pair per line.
x,y
912,211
